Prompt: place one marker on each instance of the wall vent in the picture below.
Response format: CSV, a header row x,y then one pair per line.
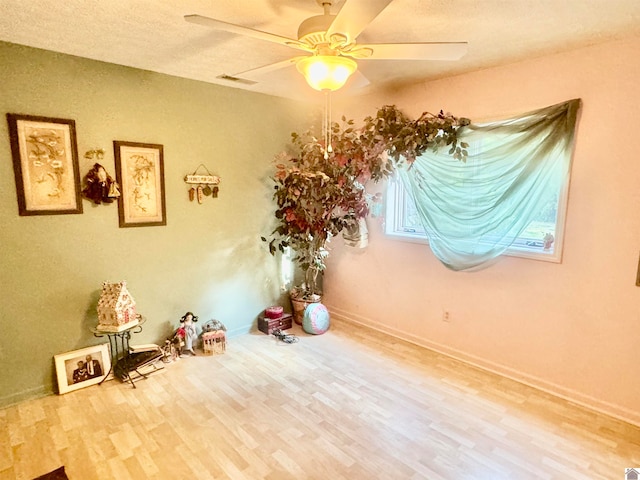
x,y
230,78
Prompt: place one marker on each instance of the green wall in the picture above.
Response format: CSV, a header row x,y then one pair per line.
x,y
208,258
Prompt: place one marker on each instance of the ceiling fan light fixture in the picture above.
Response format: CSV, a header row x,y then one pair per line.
x,y
326,72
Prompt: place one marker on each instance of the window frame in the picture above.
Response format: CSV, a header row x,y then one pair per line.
x,y
395,201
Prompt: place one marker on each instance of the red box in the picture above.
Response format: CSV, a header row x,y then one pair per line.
x,y
273,312
268,325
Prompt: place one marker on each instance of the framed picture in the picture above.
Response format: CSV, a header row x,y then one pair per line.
x,y
45,164
81,368
140,173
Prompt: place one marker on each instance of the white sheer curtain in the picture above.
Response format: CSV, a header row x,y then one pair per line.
x,y
473,211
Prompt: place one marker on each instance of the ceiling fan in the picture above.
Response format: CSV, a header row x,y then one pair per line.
x,y
329,42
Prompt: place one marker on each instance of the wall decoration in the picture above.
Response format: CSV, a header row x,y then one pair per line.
x,y
82,368
99,186
140,174
94,154
45,164
203,185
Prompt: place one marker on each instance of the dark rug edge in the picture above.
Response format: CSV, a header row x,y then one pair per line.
x,y
57,474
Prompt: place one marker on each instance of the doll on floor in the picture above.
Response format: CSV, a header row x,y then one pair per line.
x,y
187,331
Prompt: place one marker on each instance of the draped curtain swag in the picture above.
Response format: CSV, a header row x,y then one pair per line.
x,y
473,211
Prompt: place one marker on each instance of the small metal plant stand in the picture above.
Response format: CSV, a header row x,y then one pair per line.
x,y
123,361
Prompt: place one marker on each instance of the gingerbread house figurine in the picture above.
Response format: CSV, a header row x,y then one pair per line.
x,y
116,308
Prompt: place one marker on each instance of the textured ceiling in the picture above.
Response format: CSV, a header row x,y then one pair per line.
x,y
152,34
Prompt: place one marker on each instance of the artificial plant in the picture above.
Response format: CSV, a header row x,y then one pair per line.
x,y
320,190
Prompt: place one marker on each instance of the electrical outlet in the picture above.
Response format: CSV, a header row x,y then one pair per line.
x,y
445,316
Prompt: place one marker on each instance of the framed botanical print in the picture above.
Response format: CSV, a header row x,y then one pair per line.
x,y
140,173
45,164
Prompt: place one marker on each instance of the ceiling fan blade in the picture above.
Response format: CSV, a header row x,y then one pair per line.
x,y
246,31
355,15
358,80
256,72
417,51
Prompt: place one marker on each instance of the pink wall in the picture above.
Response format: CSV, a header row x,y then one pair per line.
x,y
571,328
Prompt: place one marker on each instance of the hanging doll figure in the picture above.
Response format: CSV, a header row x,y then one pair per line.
x,y
100,186
187,324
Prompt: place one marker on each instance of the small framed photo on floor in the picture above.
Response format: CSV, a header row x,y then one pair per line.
x,y
82,368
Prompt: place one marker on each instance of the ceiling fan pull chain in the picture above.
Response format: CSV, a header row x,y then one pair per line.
x,y
325,132
326,124
329,147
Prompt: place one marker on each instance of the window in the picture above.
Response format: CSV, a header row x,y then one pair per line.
x,y
509,195
403,223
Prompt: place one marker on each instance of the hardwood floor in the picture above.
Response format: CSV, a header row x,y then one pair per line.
x,y
350,404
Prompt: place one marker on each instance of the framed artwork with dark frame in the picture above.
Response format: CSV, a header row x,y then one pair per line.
x,y
82,368
140,173
45,164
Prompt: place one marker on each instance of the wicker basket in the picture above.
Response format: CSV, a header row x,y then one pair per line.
x,y
299,306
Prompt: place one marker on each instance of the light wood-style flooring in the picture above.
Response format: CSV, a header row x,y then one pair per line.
x,y
350,404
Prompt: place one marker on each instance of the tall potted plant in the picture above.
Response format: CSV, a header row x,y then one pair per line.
x,y
320,190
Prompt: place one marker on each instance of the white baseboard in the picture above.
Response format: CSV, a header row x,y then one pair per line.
x,y
610,409
242,330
